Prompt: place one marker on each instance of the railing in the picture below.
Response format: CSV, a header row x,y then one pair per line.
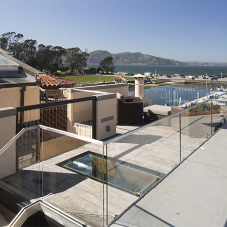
x,y
97,180
173,96
76,116
141,158
17,136
41,178
61,115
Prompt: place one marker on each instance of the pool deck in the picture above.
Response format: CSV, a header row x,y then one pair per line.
x,y
194,194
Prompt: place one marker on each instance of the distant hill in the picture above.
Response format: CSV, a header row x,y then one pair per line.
x,y
131,58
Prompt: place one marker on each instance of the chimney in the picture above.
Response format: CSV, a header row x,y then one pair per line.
x,y
139,85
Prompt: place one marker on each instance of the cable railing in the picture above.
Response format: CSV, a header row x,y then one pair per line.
x,y
33,172
18,135
74,115
170,95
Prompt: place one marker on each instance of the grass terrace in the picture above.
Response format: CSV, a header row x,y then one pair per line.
x,y
93,78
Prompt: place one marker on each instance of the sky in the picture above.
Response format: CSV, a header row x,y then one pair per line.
x,y
182,30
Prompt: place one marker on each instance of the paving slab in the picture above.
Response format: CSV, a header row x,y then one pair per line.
x,y
194,194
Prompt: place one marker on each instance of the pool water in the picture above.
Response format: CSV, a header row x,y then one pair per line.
x,y
120,174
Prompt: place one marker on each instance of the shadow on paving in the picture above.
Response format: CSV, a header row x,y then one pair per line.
x,y
138,139
35,184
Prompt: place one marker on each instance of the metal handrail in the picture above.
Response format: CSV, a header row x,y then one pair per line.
x,y
61,103
22,131
98,142
57,103
69,134
72,135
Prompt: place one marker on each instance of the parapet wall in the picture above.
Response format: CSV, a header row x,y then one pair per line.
x,y
105,111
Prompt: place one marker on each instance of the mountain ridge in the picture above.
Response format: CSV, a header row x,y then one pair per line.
x,y
131,58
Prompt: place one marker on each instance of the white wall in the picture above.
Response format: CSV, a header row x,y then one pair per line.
x,y
139,87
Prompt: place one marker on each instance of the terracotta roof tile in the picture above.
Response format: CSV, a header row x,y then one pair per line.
x,y
117,78
52,81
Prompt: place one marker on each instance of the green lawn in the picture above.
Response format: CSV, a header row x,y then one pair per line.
x,y
92,78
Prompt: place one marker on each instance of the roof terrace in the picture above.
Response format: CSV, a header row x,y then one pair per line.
x,y
125,174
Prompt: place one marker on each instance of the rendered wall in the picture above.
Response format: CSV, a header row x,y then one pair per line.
x,y
106,109
32,97
11,97
82,110
7,132
80,113
105,113
58,145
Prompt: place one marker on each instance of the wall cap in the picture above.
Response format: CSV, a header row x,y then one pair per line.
x,y
105,96
102,86
7,111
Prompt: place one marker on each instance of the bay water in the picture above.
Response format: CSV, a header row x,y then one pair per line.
x,y
172,95
170,69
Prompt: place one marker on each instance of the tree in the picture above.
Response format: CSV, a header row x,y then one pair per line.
x,y
33,62
76,59
58,52
50,58
44,56
40,57
5,40
107,64
12,42
64,69
15,45
28,51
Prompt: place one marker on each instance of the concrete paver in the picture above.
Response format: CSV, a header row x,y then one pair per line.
x,y
194,194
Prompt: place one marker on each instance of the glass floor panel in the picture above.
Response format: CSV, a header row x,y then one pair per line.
x,y
120,174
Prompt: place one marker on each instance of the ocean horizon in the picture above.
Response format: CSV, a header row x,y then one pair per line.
x,y
170,69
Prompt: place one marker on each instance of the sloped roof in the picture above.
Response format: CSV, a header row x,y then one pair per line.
x,y
28,69
6,62
52,82
10,73
13,78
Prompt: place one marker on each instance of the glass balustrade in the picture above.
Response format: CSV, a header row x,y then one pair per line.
x,y
95,181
